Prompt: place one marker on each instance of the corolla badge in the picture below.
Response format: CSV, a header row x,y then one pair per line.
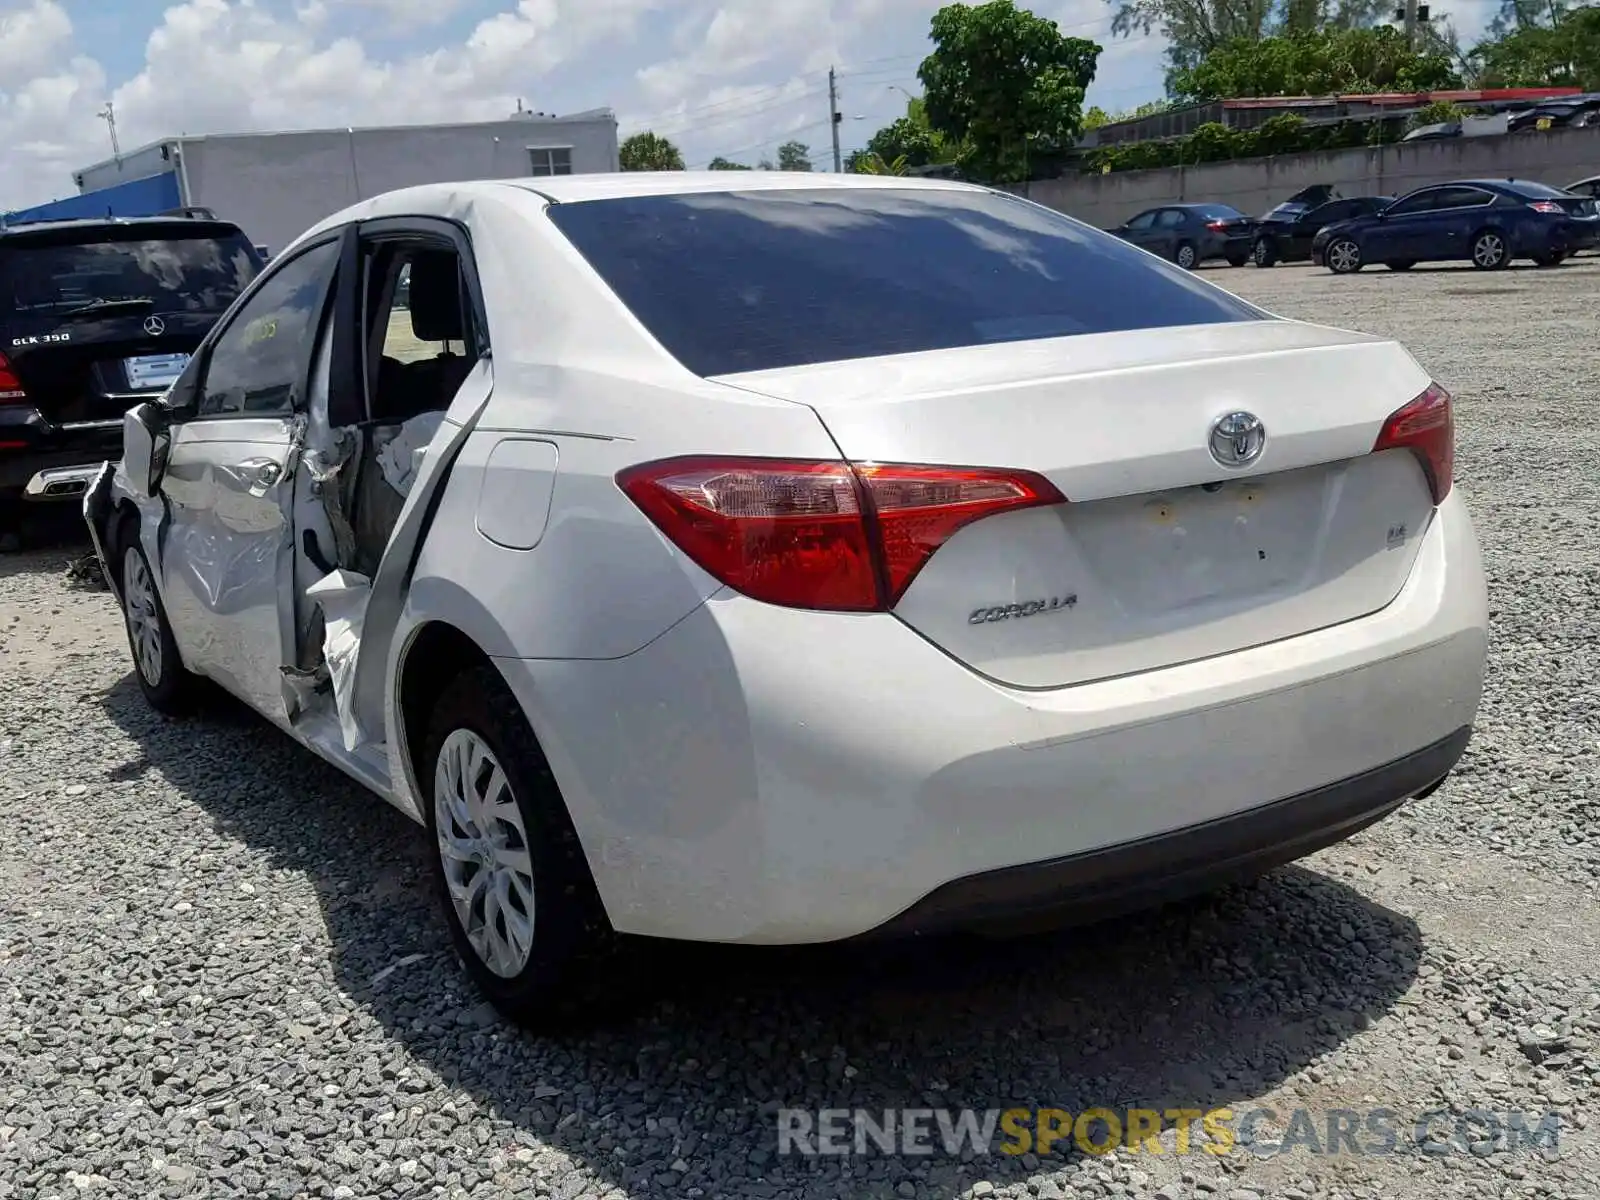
x,y
155,326
1237,439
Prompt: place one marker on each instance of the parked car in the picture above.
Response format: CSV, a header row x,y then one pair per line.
x,y
1302,202
95,316
1190,234
1288,238
1586,187
1488,222
816,556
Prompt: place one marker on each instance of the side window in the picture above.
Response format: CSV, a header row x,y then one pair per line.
x,y
257,366
1143,221
1171,218
1461,197
1416,203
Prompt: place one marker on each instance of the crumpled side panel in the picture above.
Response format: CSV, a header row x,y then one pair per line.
x,y
342,596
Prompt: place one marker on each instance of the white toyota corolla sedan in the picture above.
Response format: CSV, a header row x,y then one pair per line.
x,y
776,558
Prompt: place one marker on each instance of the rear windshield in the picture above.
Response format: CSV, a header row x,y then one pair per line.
x,y
176,274
749,281
1540,191
1221,212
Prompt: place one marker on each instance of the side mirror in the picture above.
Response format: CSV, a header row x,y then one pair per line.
x,y
146,440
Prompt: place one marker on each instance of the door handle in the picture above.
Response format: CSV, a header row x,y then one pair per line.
x,y
259,474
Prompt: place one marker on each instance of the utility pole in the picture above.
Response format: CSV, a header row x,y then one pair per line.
x,y
1413,13
109,116
834,119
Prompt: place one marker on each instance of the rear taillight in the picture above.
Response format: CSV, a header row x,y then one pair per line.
x,y
1545,206
10,386
825,535
1218,226
1426,428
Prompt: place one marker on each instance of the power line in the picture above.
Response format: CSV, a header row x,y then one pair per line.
x,y
690,124
787,135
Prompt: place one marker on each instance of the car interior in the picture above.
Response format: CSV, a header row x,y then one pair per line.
x,y
419,345
418,356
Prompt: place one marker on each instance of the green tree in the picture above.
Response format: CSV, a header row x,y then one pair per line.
x,y
725,164
1004,85
1563,53
911,138
1440,112
1194,29
794,156
865,162
649,152
1315,64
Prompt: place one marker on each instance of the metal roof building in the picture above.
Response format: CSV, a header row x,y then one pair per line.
x,y
274,185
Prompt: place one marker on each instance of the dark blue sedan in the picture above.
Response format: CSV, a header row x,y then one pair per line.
x,y
1487,222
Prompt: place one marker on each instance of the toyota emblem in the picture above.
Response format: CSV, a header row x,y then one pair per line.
x,y
1237,439
155,326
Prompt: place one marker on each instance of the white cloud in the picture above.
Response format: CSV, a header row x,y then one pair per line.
x,y
729,77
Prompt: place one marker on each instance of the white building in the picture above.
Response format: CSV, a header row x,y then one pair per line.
x,y
274,185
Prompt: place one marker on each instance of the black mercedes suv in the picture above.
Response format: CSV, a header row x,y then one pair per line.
x,y
95,317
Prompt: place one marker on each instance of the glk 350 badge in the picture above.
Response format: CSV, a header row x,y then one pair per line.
x,y
1028,608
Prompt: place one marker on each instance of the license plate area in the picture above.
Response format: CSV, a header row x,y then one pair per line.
x,y
154,372
1201,545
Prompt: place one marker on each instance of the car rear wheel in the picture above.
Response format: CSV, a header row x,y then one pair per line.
x,y
1343,257
1489,251
167,685
510,874
1549,260
1400,264
1185,256
1261,253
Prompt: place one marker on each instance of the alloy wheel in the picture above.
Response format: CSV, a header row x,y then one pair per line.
x,y
1261,254
1344,256
483,845
144,618
1186,257
1489,251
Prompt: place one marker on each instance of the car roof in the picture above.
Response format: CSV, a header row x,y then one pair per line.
x,y
447,198
568,189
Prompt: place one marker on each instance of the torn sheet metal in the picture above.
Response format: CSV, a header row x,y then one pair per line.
x,y
400,455
342,596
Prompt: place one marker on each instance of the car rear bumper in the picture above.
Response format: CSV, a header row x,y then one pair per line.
x,y
42,462
1097,884
766,775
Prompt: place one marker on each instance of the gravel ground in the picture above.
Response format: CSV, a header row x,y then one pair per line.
x,y
220,975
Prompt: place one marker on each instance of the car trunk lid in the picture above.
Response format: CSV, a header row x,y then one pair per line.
x,y
1161,554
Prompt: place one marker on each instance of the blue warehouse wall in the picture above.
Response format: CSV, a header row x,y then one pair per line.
x,y
135,198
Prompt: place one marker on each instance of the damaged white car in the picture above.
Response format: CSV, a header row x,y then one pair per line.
x,y
789,558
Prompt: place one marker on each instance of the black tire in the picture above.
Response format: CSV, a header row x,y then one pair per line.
x,y
572,946
1484,242
1343,256
1400,264
1185,256
168,686
1238,260
1549,260
1262,253
10,526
